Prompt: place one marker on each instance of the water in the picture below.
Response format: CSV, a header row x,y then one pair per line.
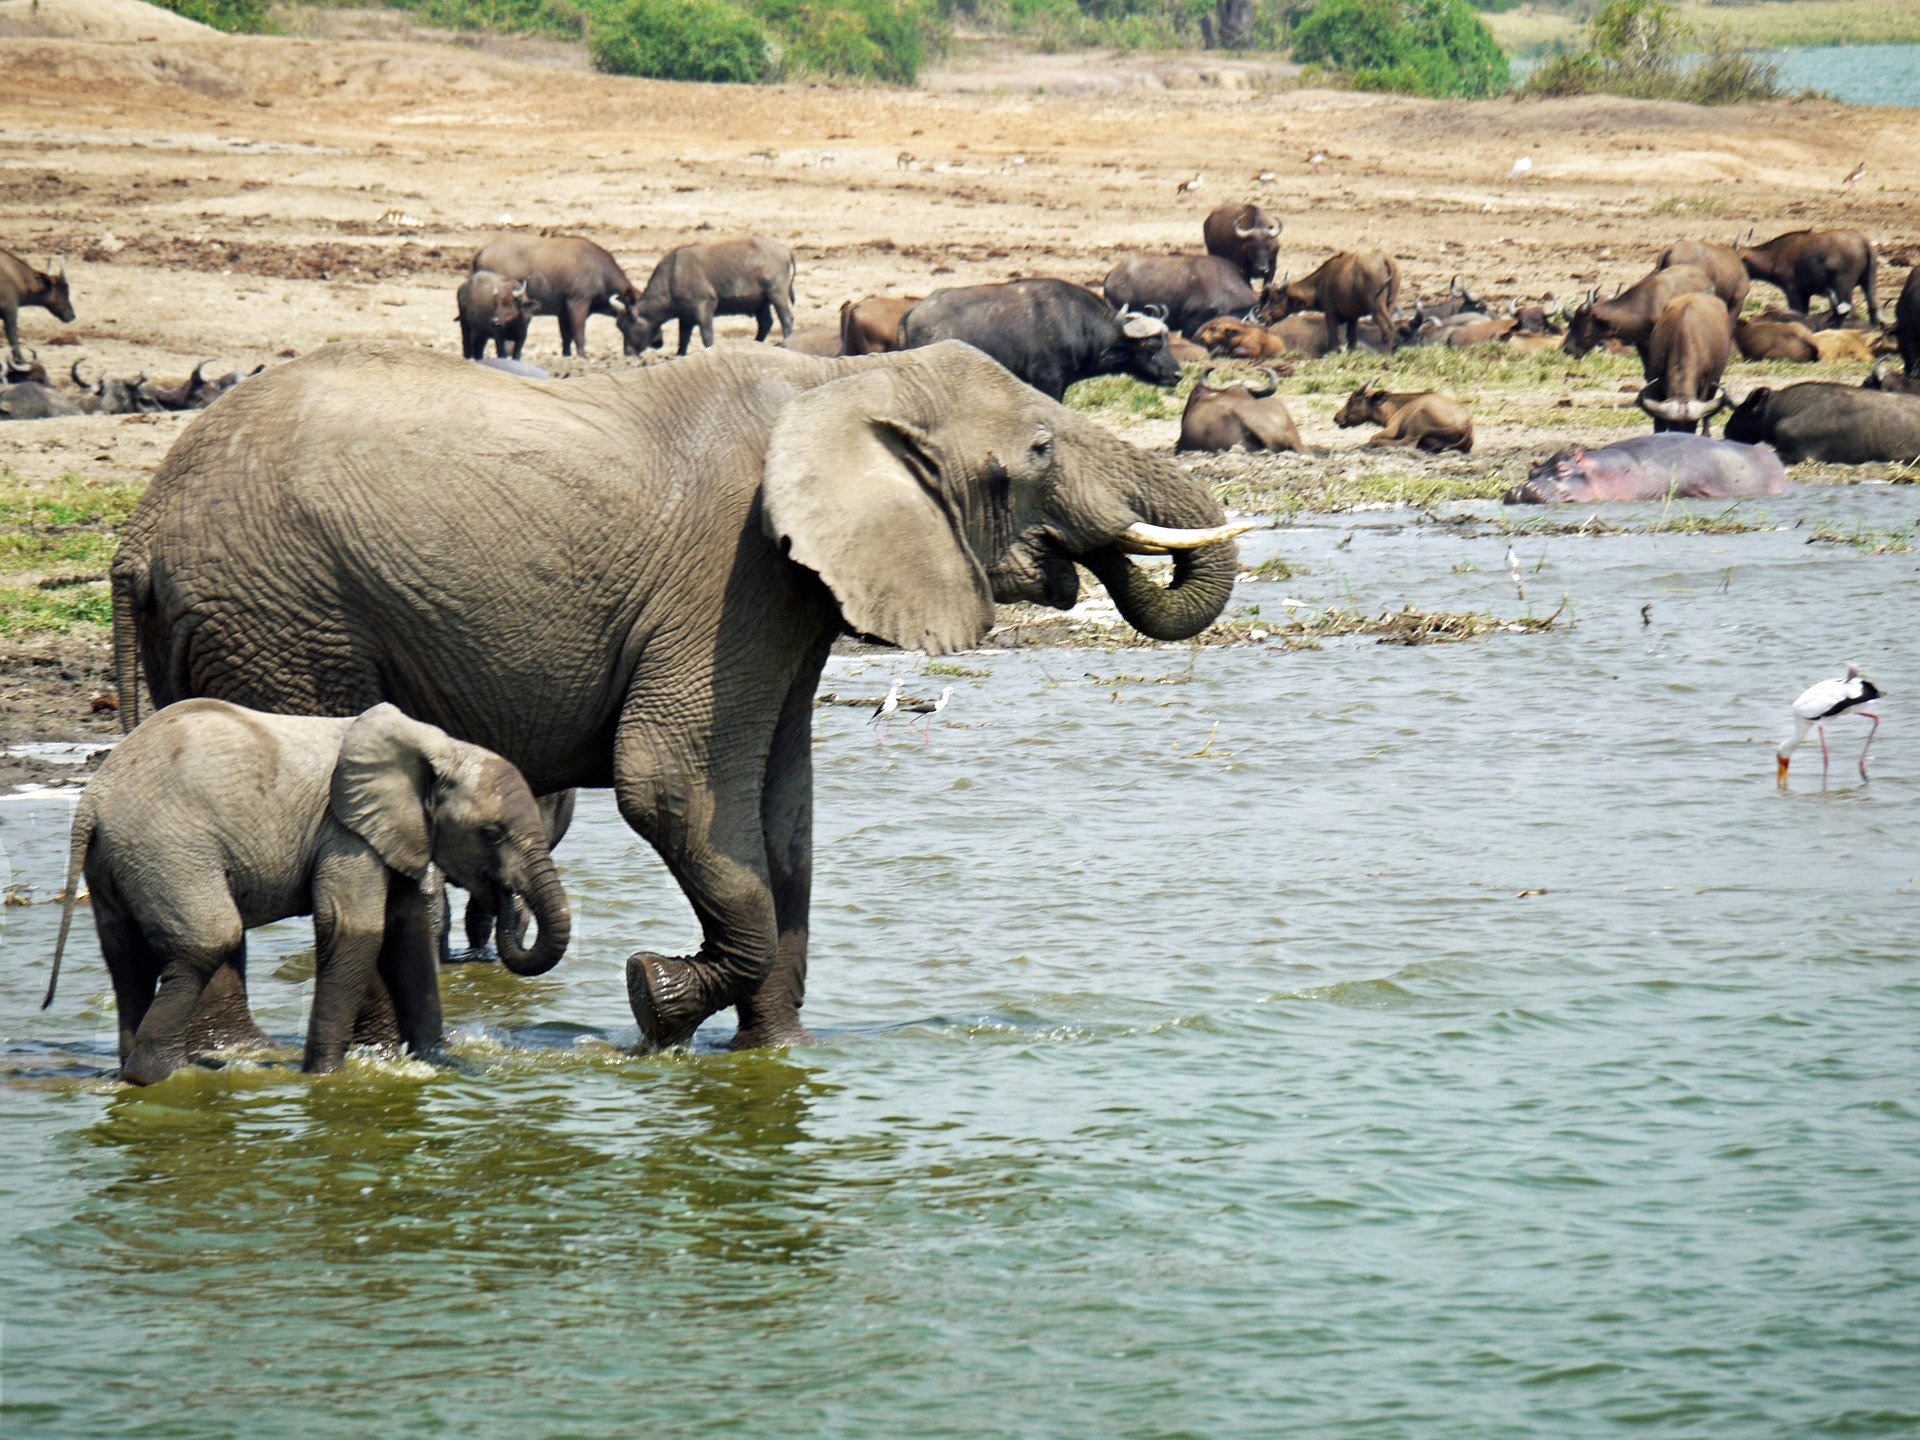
x,y
1857,74
1164,1094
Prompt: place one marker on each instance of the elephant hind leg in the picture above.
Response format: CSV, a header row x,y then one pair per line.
x,y
223,1020
160,1043
131,963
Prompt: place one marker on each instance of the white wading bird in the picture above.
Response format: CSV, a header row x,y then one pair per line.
x,y
1187,187
884,710
1522,168
1826,701
926,709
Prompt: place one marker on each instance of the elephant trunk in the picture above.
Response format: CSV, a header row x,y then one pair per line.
x,y
547,898
1165,496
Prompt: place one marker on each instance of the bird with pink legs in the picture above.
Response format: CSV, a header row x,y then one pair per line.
x,y
1829,700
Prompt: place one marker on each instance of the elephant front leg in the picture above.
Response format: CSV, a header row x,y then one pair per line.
x,y
349,930
409,965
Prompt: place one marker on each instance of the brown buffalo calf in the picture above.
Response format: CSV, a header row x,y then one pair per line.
x,y
1219,417
872,326
1424,419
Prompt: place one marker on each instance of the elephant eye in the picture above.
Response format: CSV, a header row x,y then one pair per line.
x,y
493,834
1043,449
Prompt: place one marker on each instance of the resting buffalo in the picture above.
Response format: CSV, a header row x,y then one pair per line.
x,y
196,392
1189,289
20,372
1240,340
565,277
489,306
1906,322
1219,417
694,283
1481,330
1050,333
1630,316
1685,358
1819,420
1775,340
1721,264
1424,419
1245,237
21,284
872,326
1883,378
820,340
1805,263
30,400
1347,287
1653,467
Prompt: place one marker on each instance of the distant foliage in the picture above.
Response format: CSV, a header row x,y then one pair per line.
x,y
679,40
885,40
1135,24
240,16
1417,47
1642,49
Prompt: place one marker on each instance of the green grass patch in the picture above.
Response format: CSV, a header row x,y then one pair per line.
x,y
1763,24
56,541
29,610
1867,542
1318,493
1273,571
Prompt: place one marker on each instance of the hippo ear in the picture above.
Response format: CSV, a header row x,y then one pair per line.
x,y
859,492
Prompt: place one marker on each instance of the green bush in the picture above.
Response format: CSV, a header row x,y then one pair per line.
x,y
245,16
679,40
1418,47
859,39
1641,49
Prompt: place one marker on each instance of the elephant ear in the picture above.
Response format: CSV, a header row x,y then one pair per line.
x,y
383,785
857,491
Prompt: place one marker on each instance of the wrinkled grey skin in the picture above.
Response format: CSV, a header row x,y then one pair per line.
x,y
488,908
22,284
211,819
695,283
1653,467
1840,424
633,580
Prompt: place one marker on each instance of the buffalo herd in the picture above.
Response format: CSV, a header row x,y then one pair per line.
x,y
1155,314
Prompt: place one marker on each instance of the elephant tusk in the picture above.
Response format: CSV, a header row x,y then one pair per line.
x,y
1141,538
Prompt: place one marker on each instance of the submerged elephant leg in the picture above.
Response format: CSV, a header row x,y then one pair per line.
x,y
349,928
160,1043
408,970
771,1015
223,1019
130,961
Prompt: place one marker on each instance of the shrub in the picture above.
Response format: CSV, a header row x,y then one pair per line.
x,y
860,39
245,16
1419,47
679,40
1640,49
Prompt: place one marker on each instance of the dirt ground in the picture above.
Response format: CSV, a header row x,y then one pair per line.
x,y
250,199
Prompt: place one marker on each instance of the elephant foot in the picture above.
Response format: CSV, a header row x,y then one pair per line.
x,y
478,955
150,1067
223,1020
666,1000
786,1033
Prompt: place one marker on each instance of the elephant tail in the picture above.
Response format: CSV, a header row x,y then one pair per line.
x,y
130,591
83,826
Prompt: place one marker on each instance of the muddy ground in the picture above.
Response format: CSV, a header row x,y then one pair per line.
x,y
250,199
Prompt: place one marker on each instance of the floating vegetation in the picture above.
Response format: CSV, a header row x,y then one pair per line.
x,y
1408,626
1274,569
1304,627
1867,542
1687,522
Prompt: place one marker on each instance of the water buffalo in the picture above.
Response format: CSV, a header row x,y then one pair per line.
x,y
1883,378
1722,266
1775,340
1185,352
1050,333
196,392
1347,287
1480,331
1245,237
1805,263
489,306
566,277
1424,419
872,326
31,400
820,340
1459,299
22,372
1819,420
21,284
109,396
1685,358
1241,340
694,283
1857,346
1189,289
1221,416
1630,316
1302,333
1906,322
1653,467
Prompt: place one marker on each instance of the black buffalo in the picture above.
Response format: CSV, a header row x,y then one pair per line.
x,y
1185,290
1841,424
1050,333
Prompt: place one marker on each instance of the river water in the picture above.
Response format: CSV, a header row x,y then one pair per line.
x,y
1471,1041
1857,74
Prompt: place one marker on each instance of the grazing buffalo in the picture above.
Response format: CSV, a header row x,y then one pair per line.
x,y
1630,316
1050,333
1221,416
1775,340
566,277
1344,289
1653,467
1185,290
1245,237
1722,266
1805,263
489,306
1906,322
872,326
1819,420
1685,358
21,284
1883,378
694,283
1424,419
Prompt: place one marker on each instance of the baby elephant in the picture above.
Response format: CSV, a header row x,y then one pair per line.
x,y
210,819
1427,419
492,307
1219,417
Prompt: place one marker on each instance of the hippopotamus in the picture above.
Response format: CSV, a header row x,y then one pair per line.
x,y
516,367
1654,467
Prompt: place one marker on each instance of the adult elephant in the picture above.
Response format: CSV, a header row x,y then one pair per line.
x,y
633,580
